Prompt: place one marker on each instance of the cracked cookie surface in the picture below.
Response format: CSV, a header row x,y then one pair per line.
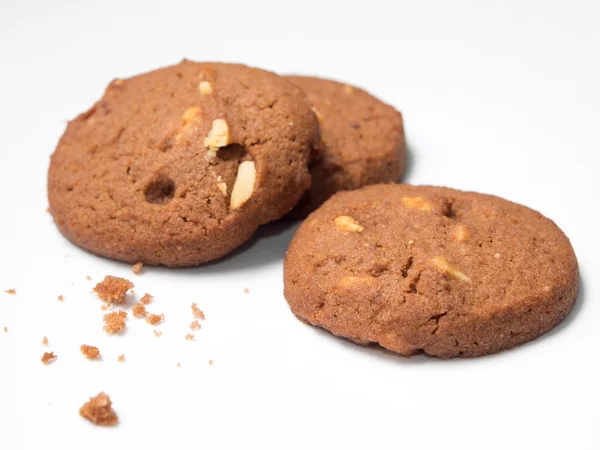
x,y
362,141
179,166
421,269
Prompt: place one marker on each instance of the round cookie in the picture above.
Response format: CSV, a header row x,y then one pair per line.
x,y
362,141
179,166
421,269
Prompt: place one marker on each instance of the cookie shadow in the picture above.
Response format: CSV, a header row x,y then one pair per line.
x,y
409,165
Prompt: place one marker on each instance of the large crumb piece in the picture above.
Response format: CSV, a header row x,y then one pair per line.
x,y
197,312
114,321
137,268
155,319
45,341
195,325
90,351
60,298
48,357
190,337
139,310
11,291
99,410
145,300
113,289
121,358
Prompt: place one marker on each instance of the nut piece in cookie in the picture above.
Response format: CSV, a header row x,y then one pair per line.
x,y
416,203
243,185
218,136
348,224
442,265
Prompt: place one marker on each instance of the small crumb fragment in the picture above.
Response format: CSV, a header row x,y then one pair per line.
x,y
190,337
210,362
48,357
157,333
45,341
11,291
197,312
105,306
146,298
87,277
113,289
6,329
121,358
137,268
60,298
246,291
115,321
178,364
195,325
155,319
139,310
99,411
90,352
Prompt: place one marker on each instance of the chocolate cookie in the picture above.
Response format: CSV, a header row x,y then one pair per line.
x,y
179,166
429,269
362,141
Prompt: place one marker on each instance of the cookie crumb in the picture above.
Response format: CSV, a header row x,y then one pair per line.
x,y
99,411
137,268
190,337
115,321
105,306
157,333
60,298
195,325
178,364
45,341
197,312
155,319
6,329
210,362
48,357
113,289
121,358
90,352
139,310
87,277
146,298
11,291
246,291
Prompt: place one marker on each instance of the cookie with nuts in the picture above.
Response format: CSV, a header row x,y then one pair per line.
x,y
179,166
421,269
362,141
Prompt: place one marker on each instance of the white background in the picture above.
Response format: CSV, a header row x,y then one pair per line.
x,y
498,97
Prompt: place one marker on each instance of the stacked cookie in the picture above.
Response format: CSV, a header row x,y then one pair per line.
x,y
181,165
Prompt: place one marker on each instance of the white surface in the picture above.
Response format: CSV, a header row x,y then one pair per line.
x,y
497,98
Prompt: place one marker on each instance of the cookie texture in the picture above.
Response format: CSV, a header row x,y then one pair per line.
x,y
179,166
362,141
421,269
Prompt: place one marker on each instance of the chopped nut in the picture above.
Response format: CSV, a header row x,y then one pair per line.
x,y
349,281
60,298
461,233
416,203
137,268
155,319
115,321
157,333
218,136
190,337
48,357
146,298
320,116
210,155
222,187
205,87
195,325
45,341
348,224
442,265
113,289
99,411
191,114
139,310
197,312
89,351
497,255
243,185
121,358
11,291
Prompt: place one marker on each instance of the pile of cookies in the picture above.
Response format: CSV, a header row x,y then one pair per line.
x,y
181,165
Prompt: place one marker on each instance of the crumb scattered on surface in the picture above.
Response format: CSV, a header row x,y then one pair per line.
x,y
210,362
157,333
87,277
139,310
121,358
45,341
146,298
195,325
246,291
48,357
11,291
99,411
137,268
155,319
190,337
113,289
6,329
178,364
197,312
90,351
114,321
105,306
60,298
